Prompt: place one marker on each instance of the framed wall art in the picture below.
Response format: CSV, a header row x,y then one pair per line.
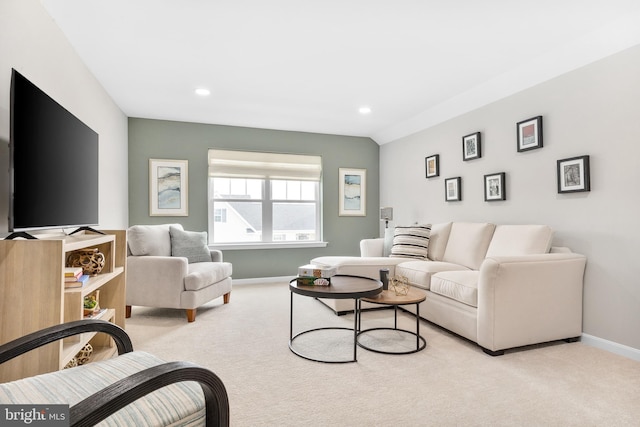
x,y
352,192
494,187
168,187
471,146
453,189
432,165
573,175
530,134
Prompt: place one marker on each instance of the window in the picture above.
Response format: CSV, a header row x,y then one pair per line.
x,y
263,197
220,215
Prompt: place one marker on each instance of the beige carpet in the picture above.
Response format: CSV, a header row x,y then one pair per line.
x,y
450,383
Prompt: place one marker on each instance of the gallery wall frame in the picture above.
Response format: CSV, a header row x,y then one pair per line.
x,y
352,192
168,187
494,187
432,166
471,146
529,134
574,174
453,189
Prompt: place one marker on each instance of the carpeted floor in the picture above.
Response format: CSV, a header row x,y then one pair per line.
x,y
450,383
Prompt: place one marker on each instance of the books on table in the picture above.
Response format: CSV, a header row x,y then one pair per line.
x,y
77,282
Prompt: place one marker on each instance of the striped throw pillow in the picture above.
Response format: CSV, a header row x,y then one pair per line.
x,y
411,242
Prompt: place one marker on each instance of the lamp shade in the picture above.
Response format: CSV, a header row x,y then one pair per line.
x,y
386,214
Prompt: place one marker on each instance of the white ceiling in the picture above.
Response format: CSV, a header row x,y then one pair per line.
x,y
308,65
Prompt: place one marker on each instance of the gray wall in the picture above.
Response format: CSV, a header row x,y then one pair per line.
x,y
190,141
31,43
593,110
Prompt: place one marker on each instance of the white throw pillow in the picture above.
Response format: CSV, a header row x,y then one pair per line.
x,y
411,242
150,240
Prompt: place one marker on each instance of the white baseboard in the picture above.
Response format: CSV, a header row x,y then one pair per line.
x,y
613,347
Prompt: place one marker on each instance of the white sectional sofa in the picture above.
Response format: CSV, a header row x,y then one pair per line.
x,y
501,286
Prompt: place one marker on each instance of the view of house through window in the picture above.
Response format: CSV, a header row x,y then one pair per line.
x,y
263,197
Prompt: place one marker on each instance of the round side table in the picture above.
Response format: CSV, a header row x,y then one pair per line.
x,y
389,297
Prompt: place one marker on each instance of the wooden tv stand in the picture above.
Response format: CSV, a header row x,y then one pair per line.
x,y
33,296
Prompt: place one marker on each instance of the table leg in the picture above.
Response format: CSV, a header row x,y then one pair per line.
x,y
417,326
356,315
395,317
291,318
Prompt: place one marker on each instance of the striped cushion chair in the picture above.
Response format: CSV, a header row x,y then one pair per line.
x,y
135,388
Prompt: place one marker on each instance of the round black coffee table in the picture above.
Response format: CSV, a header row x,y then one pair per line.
x,y
342,287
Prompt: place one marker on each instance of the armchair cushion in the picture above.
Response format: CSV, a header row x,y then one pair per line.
x,y
203,274
189,244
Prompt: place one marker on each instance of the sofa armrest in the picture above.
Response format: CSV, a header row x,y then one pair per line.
x,y
529,299
216,255
372,247
156,281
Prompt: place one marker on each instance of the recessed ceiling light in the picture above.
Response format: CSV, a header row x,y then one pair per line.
x,y
201,91
364,110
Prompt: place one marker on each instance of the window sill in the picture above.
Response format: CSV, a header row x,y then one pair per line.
x,y
273,245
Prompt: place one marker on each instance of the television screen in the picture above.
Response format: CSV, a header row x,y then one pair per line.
x,y
54,163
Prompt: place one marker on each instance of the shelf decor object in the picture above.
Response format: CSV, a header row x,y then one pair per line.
x,y
432,165
453,189
494,187
352,192
168,187
471,146
90,260
400,285
573,175
530,134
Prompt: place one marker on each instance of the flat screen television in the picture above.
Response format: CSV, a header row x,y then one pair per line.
x,y
54,163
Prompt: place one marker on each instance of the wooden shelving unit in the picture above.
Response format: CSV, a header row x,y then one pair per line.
x,y
33,296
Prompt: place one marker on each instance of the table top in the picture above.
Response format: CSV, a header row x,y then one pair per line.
x,y
341,287
389,297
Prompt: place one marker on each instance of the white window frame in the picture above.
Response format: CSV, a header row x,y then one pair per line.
x,y
267,167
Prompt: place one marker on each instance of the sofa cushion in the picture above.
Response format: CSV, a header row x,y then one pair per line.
x,y
461,286
70,386
203,274
510,240
438,240
419,272
468,243
411,242
150,240
189,244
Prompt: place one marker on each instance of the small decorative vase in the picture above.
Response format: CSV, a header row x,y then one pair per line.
x,y
91,261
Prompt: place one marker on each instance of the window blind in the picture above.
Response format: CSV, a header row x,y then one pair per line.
x,y
251,164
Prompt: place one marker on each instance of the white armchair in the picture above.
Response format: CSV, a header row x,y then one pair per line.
x,y
172,268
